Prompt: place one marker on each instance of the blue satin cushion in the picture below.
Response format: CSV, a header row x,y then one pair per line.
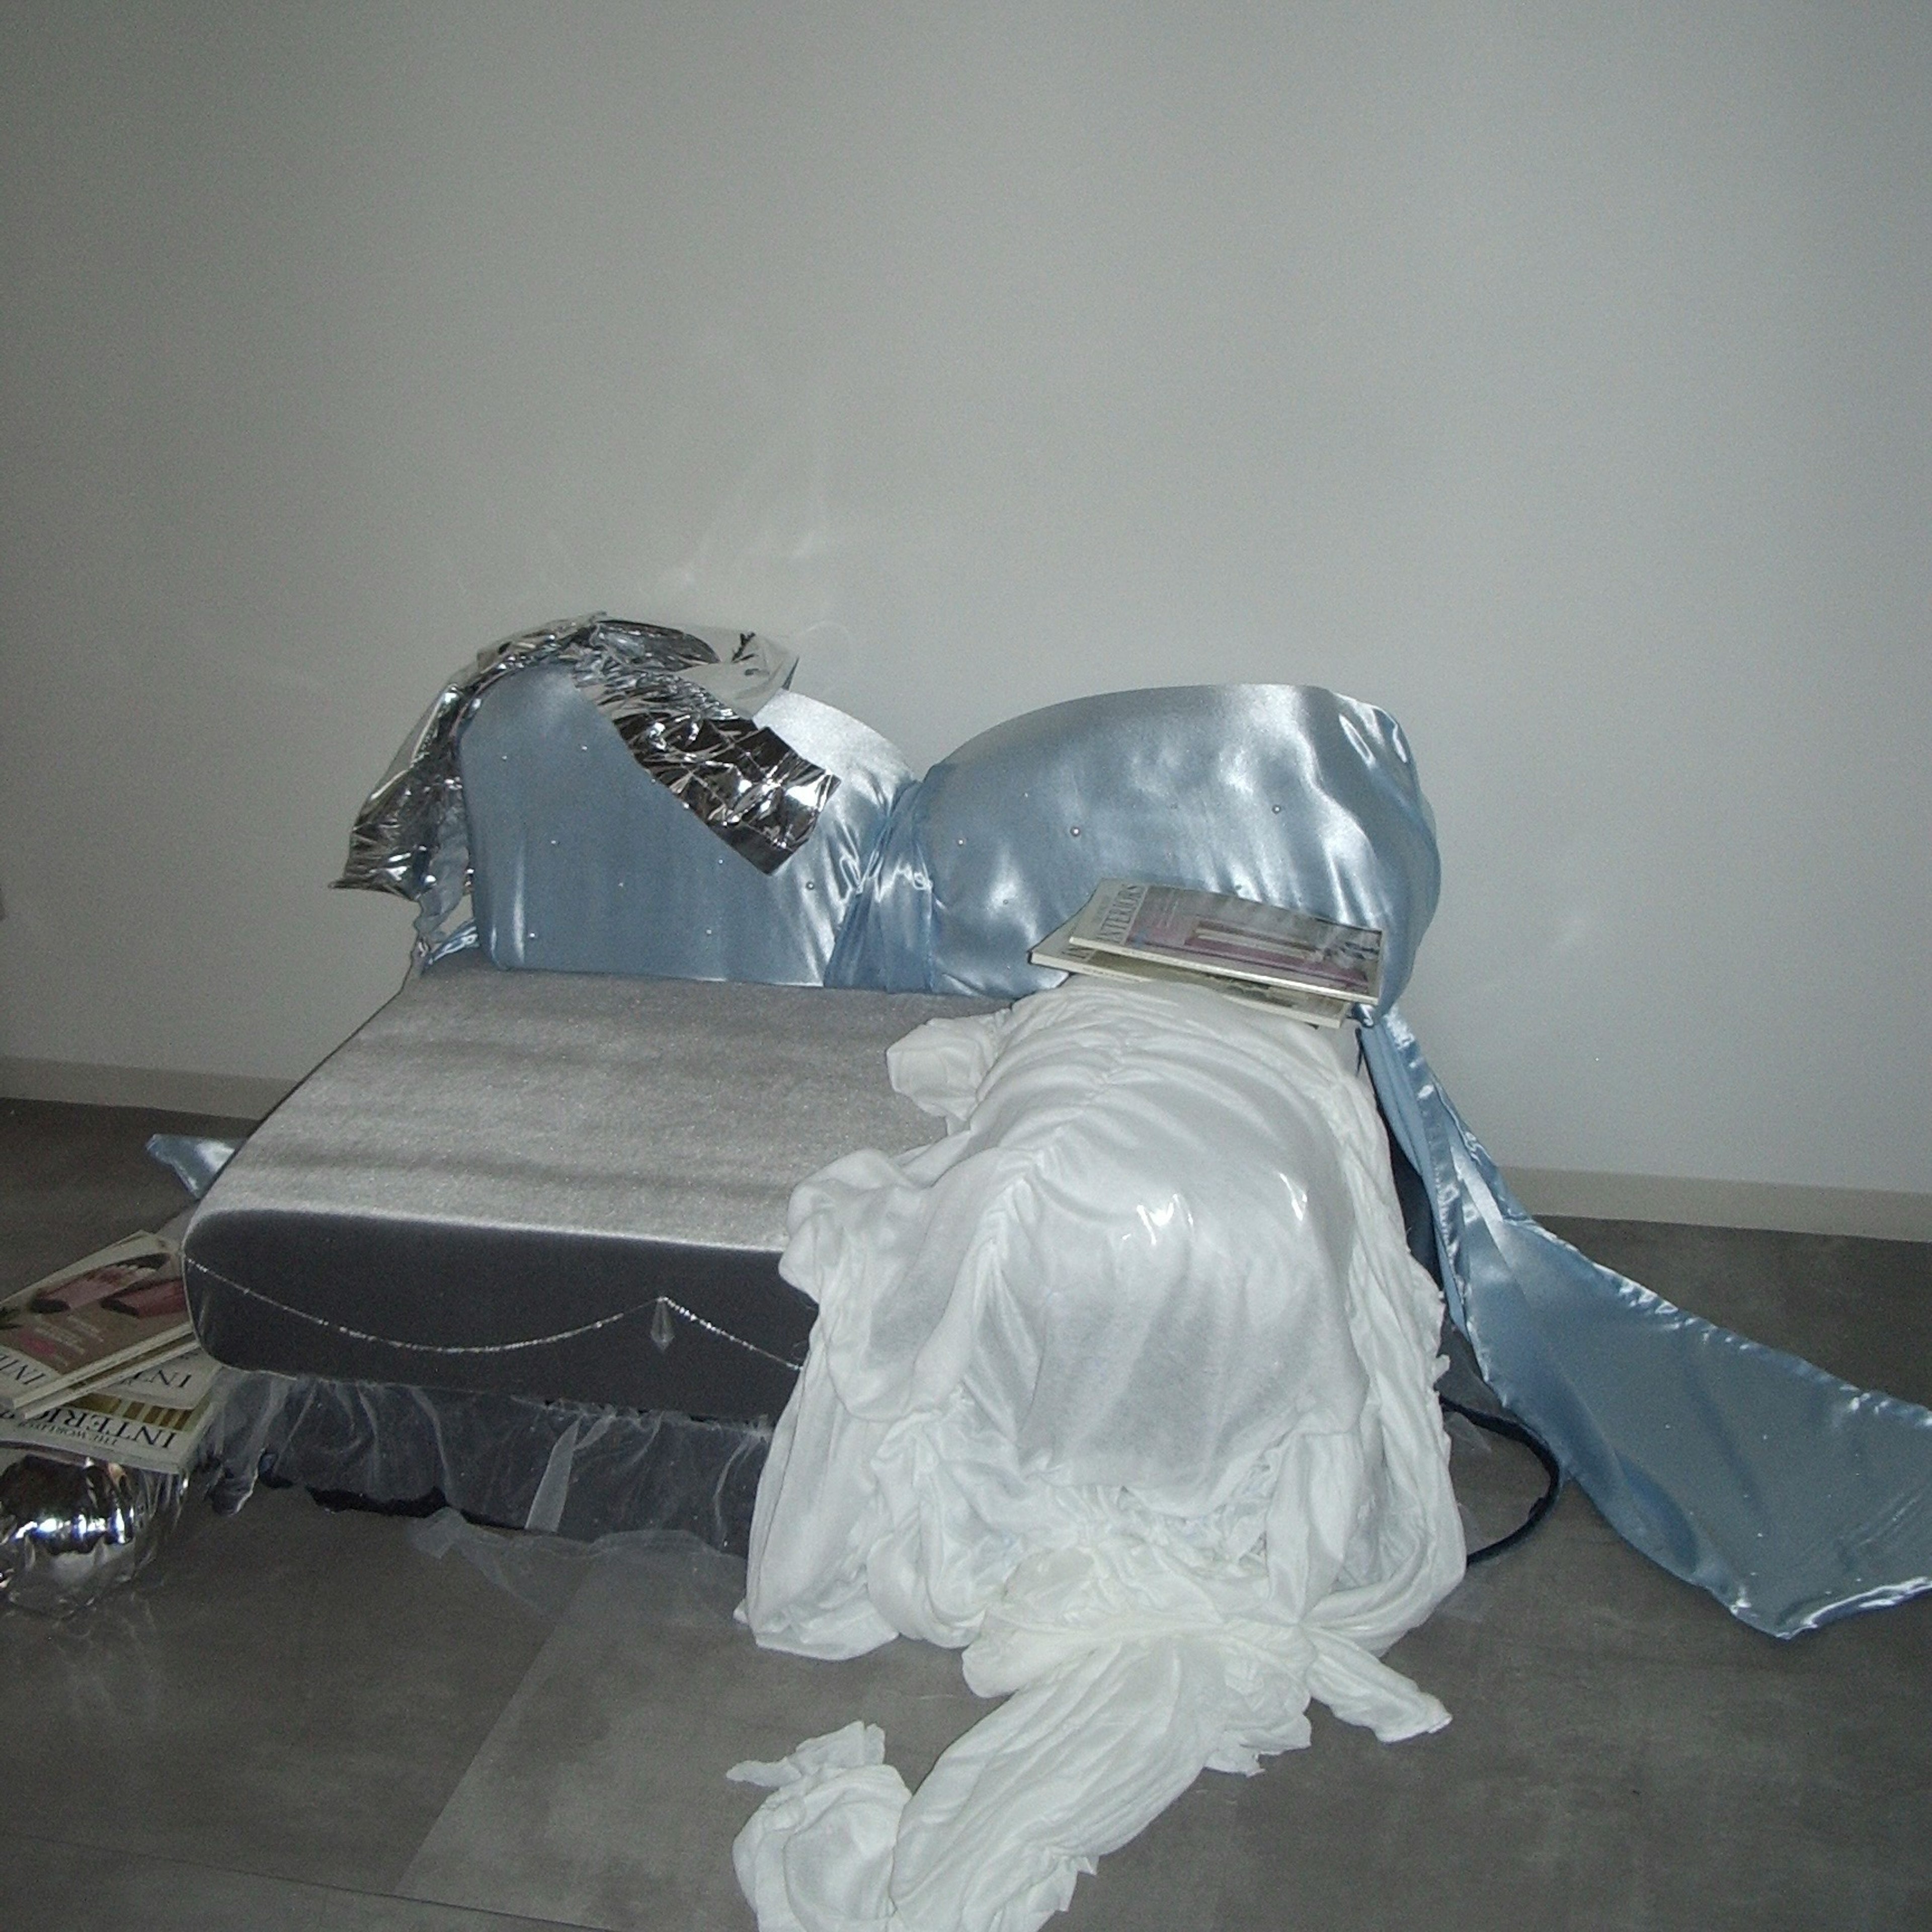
x,y
1289,794
584,863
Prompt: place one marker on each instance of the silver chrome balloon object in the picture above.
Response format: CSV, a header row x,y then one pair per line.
x,y
71,1531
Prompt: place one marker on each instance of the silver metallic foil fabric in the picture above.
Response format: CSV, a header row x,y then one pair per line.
x,y
70,1531
676,703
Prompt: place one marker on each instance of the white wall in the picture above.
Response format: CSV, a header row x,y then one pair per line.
x,y
1562,382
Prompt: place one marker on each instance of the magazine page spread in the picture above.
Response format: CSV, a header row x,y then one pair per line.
x,y
1318,969
1223,934
1317,1009
121,1309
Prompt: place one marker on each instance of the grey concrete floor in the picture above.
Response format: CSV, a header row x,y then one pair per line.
x,y
297,1718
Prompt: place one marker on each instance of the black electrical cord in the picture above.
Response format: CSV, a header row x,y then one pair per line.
x,y
1513,1431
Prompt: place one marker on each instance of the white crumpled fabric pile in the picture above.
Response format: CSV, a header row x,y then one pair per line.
x,y
1125,1387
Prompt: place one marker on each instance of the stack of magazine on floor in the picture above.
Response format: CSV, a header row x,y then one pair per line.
x,y
100,1359
1314,968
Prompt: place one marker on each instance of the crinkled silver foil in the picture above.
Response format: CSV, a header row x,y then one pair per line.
x,y
744,781
660,688
71,1531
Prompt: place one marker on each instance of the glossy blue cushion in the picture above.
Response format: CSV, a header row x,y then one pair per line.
x,y
583,862
1289,794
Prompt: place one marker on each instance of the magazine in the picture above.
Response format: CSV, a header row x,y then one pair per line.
x,y
180,1382
1317,968
122,1309
134,1421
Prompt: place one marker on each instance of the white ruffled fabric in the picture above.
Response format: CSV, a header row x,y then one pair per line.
x,y
1125,1388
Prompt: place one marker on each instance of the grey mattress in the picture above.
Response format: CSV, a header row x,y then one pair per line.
x,y
552,1185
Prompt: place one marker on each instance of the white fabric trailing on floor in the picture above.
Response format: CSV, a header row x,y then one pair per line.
x,y
1125,1388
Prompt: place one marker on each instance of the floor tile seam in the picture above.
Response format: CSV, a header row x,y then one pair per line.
x,y
1594,1664
15,1835
102,1846
429,1896
525,1691
1512,1651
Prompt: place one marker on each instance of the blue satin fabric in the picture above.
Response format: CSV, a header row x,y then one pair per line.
x,y
1288,794
1790,1496
1793,1497
584,863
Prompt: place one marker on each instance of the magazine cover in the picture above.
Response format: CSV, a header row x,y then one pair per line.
x,y
180,1382
127,1421
121,1309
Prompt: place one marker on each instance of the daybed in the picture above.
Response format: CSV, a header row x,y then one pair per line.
x,y
535,1206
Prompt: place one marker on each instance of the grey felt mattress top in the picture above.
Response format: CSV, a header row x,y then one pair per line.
x,y
580,1105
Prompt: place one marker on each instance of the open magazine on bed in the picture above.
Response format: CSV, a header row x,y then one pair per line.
x,y
1318,969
